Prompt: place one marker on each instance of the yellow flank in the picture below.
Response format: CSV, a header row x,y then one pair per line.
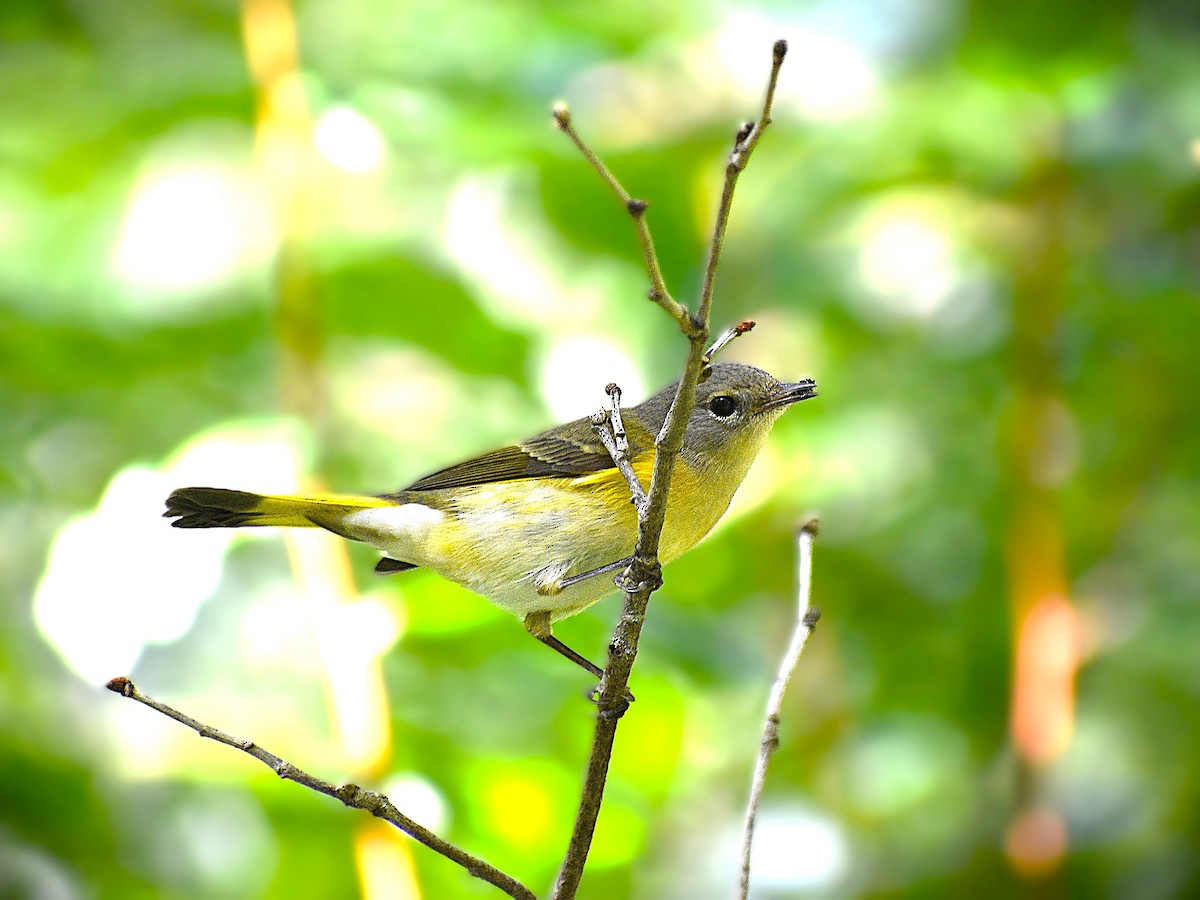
x,y
517,541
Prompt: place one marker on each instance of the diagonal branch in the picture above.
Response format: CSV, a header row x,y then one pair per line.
x,y
806,621
644,574
351,795
727,337
636,208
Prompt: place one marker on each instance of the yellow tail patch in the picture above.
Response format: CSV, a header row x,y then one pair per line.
x,y
201,507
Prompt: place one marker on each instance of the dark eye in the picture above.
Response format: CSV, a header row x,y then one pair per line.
x,y
722,406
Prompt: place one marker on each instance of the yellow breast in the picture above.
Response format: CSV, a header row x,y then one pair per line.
x,y
696,501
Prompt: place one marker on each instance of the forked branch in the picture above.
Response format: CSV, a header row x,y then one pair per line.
x,y
640,579
644,575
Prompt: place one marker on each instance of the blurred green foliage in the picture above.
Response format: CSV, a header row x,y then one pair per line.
x,y
975,224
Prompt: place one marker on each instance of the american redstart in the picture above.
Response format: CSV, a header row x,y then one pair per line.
x,y
536,526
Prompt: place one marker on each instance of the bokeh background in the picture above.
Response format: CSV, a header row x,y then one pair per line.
x,y
277,245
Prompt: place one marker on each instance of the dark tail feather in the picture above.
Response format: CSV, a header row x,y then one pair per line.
x,y
198,507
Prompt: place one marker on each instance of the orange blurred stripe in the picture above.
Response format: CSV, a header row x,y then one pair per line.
x,y
1043,716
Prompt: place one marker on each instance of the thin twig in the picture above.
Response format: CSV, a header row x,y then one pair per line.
x,y
351,795
728,335
637,209
611,430
741,153
806,621
743,146
618,427
644,574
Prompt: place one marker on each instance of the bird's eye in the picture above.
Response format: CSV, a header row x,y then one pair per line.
x,y
723,406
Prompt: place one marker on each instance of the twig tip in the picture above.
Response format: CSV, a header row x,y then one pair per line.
x,y
562,114
780,50
812,527
728,335
120,685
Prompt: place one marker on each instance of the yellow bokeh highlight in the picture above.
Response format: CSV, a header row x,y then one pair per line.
x,y
524,805
620,835
385,864
648,746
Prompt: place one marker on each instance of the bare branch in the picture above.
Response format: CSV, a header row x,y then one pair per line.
x,y
611,430
730,334
806,621
744,143
637,209
614,395
644,574
639,580
749,140
351,795
612,705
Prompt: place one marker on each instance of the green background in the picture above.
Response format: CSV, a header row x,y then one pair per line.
x,y
975,224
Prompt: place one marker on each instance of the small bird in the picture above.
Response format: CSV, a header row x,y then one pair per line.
x,y
535,526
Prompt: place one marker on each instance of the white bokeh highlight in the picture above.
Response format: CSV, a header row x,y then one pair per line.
x,y
188,227
576,370
349,140
828,78
120,577
798,849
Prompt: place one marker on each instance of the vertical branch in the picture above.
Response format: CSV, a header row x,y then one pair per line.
x,y
806,621
747,139
644,574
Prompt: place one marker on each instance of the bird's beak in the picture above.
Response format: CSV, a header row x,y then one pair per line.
x,y
787,394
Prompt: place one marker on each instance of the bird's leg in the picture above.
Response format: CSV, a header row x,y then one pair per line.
x,y
538,625
611,567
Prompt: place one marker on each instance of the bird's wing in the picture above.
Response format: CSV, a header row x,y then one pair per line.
x,y
565,452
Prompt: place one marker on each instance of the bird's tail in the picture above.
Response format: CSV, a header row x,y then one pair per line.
x,y
203,507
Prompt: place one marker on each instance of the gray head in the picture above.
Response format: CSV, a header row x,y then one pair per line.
x,y
735,408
